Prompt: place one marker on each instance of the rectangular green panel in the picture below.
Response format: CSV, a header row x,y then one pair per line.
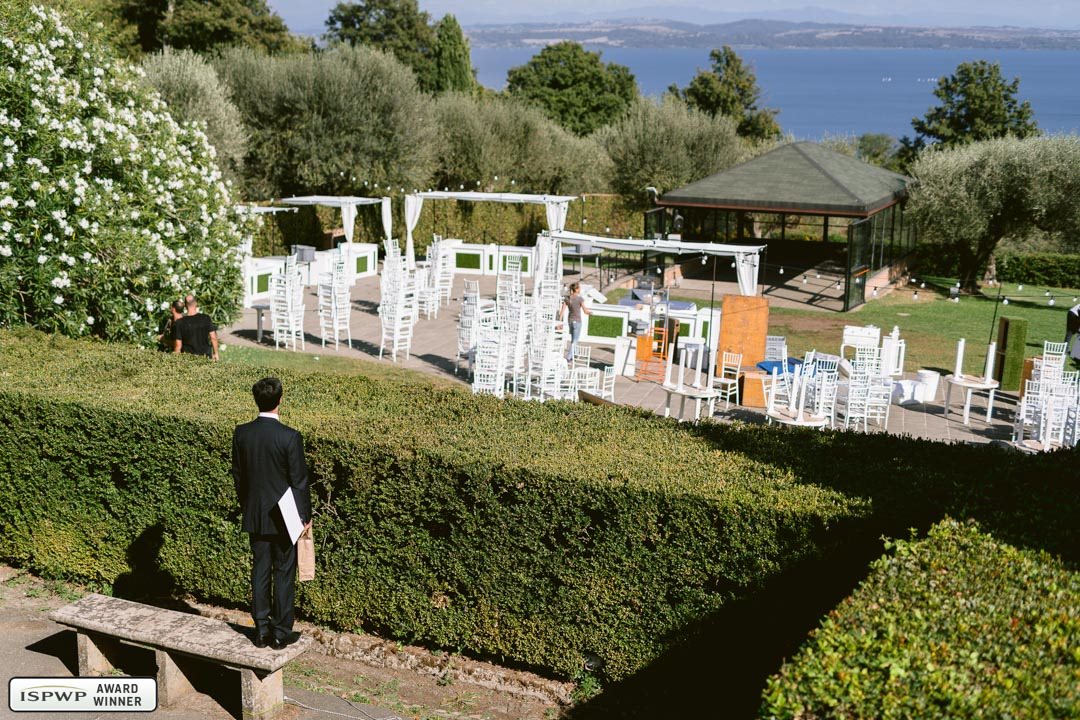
x,y
262,283
524,262
604,326
361,264
467,260
705,329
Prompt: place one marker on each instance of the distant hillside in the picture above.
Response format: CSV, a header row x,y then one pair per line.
x,y
645,32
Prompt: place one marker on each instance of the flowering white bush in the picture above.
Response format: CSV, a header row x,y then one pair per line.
x,y
108,208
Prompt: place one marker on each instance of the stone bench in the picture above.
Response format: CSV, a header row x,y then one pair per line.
x,y
102,622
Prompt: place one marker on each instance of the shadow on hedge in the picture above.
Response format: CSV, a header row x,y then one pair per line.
x,y
1025,500
721,669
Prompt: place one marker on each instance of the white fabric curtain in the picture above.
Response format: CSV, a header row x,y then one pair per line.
x,y
746,268
556,215
348,220
413,205
387,217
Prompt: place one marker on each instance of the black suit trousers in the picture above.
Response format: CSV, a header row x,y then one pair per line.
x,y
274,556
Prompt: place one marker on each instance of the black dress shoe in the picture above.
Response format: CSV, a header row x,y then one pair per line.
x,y
282,643
263,641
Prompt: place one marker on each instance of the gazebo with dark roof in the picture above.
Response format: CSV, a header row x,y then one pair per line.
x,y
800,179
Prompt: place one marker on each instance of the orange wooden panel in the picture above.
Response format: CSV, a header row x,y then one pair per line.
x,y
744,323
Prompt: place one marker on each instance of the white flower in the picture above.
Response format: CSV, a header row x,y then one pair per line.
x,y
5,251
89,319
42,259
59,299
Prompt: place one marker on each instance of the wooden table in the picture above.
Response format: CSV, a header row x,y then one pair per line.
x,y
753,388
970,384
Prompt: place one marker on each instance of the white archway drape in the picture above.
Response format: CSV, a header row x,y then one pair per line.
x,y
347,204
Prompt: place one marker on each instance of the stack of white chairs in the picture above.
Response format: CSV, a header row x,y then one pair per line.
x,y
488,368
287,306
1047,416
607,384
399,308
334,304
775,347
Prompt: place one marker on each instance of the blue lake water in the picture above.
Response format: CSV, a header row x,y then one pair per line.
x,y
842,92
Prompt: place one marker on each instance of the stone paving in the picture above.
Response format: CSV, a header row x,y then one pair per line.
x,y
434,349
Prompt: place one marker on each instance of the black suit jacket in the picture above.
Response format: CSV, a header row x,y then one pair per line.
x,y
267,459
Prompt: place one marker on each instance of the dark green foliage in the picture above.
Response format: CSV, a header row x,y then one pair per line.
x,y
202,26
452,62
529,532
958,625
976,104
573,86
398,27
730,88
494,140
325,123
879,149
1050,269
667,145
1010,368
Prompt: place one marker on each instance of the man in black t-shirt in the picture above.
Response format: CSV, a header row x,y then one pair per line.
x,y
196,333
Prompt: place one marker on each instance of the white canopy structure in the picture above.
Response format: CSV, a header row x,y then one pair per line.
x,y
747,257
347,204
262,210
557,206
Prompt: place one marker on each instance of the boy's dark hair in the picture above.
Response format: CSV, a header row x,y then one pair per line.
x,y
178,306
267,393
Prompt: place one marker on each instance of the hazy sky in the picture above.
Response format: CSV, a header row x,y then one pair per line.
x,y
310,15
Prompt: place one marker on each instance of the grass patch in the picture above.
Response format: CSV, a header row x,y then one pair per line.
x,y
329,364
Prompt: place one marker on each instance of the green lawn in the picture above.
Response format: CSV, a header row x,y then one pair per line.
x,y
327,363
930,325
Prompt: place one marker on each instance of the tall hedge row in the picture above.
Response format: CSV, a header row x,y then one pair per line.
x,y
957,625
534,533
1050,269
538,534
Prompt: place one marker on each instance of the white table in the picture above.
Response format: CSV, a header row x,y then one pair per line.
x,y
796,419
708,395
970,384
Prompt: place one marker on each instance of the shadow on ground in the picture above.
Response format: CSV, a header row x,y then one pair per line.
x,y
721,670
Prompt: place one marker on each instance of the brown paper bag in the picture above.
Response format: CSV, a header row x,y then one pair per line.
x,y
305,557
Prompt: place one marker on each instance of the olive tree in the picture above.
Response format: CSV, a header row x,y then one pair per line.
x,y
481,138
193,92
325,123
973,196
666,144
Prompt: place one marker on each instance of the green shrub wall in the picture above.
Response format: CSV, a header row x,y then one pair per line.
x,y
499,223
1050,269
525,532
957,625
1060,270
534,533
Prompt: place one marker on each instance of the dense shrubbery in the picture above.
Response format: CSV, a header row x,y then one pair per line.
x,y
193,92
1050,269
954,626
108,208
530,532
666,144
330,122
481,139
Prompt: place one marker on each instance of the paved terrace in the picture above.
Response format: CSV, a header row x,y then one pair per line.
x,y
435,344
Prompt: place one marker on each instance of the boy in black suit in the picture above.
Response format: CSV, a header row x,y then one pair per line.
x,y
267,460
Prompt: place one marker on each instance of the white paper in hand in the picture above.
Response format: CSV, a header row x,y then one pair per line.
x,y
287,505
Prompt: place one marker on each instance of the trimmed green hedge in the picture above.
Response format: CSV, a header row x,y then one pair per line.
x,y
529,532
525,532
1049,269
957,625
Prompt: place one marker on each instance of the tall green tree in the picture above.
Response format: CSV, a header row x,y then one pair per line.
x,y
574,87
200,26
970,197
452,62
398,27
730,88
977,103
666,145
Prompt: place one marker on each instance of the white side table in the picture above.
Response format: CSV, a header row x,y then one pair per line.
x,y
970,384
